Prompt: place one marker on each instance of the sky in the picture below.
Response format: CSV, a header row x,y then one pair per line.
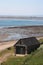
x,y
21,7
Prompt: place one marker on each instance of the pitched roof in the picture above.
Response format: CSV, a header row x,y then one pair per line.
x,y
28,41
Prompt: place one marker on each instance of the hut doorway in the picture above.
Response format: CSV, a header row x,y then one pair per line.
x,y
20,50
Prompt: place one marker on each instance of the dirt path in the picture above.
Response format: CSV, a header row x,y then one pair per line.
x,y
3,46
4,57
40,38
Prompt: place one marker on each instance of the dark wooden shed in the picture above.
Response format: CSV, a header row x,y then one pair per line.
x,y
26,45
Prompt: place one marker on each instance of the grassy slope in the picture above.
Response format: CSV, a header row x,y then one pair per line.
x,y
7,51
41,40
35,58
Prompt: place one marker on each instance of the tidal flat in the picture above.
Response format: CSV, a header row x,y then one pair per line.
x,y
14,33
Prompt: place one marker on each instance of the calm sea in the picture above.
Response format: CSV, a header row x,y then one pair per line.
x,y
7,23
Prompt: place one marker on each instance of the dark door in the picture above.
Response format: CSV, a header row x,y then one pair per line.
x,y
20,50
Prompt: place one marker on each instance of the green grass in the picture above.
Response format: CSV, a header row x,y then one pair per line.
x,y
41,40
14,61
35,58
7,51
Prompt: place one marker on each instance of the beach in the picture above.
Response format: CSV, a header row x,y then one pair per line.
x,y
7,44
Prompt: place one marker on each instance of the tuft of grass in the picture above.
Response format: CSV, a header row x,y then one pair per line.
x,y
14,61
41,40
7,51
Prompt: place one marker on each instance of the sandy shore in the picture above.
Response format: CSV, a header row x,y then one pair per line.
x,y
5,45
39,38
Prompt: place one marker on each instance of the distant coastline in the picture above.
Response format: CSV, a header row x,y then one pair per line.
x,y
21,17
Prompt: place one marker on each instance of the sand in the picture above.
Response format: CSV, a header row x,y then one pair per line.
x,y
5,45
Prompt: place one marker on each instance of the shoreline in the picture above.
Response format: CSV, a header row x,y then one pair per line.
x,y
11,27
21,19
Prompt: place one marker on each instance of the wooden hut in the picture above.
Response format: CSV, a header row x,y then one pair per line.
x,y
26,45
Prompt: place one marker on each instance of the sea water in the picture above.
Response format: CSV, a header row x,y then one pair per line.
x,y
16,23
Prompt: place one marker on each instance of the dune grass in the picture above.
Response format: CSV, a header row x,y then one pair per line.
x,y
7,51
35,58
41,40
